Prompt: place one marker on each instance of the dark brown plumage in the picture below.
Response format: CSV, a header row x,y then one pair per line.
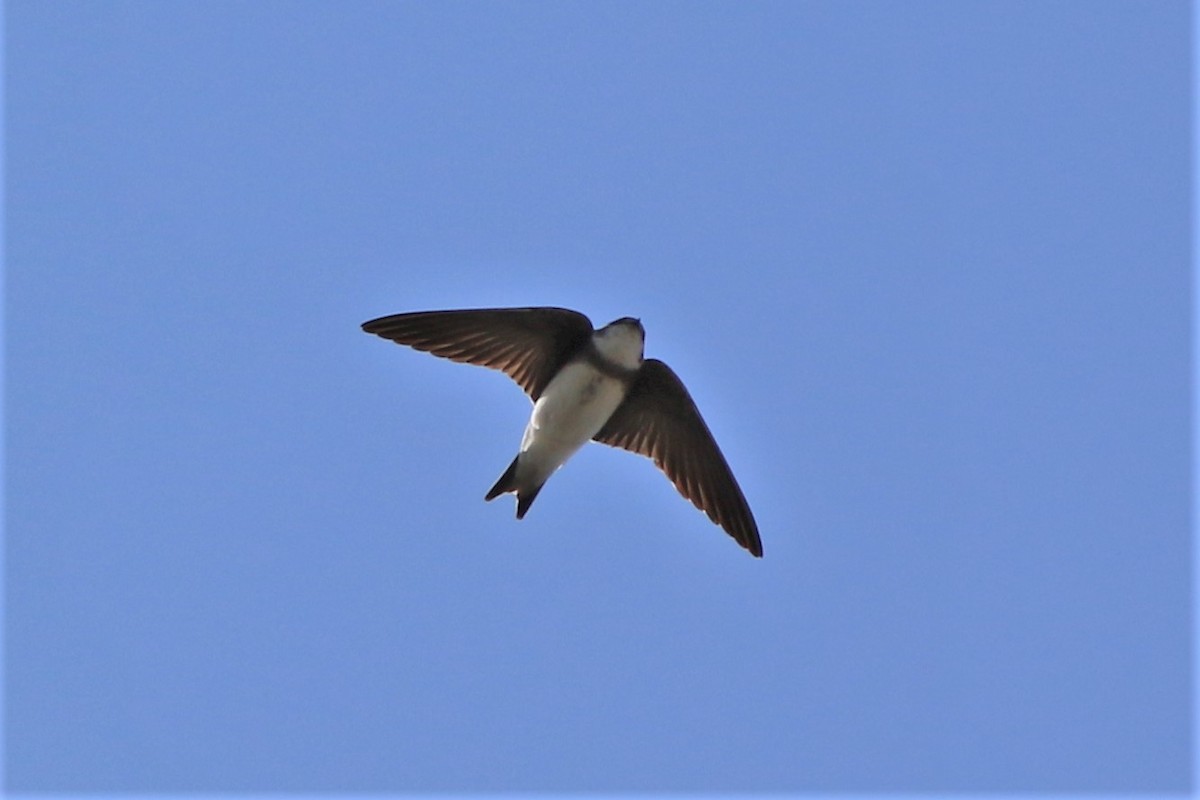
x,y
660,420
657,418
530,345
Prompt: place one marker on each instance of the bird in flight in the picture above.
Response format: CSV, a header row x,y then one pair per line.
x,y
585,384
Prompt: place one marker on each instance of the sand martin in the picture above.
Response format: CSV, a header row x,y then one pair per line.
x,y
585,384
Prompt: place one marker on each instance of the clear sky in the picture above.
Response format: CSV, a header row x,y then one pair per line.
x,y
924,267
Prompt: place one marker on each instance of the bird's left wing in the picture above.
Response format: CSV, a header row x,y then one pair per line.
x,y
659,419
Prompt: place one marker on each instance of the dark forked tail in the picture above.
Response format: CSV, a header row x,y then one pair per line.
x,y
508,483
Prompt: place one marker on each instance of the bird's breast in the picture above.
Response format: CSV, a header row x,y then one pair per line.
x,y
574,406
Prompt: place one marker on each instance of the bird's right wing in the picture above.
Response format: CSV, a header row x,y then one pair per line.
x,y
529,345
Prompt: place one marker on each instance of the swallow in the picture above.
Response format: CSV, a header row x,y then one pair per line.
x,y
585,384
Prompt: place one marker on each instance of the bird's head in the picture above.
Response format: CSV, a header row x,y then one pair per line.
x,y
622,342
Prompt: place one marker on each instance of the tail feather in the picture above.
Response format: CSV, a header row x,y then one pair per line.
x,y
508,483
524,501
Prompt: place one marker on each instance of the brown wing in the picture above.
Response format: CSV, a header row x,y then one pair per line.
x,y
659,419
529,345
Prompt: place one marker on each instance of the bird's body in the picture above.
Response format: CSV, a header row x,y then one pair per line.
x,y
573,409
585,385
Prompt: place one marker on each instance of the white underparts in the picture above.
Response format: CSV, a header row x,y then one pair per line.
x,y
572,409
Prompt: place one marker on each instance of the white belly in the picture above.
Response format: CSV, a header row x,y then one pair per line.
x,y
572,409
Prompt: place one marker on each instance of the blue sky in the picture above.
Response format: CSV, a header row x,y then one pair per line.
x,y
924,267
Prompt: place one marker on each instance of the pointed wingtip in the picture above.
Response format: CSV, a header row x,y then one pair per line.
x,y
749,540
